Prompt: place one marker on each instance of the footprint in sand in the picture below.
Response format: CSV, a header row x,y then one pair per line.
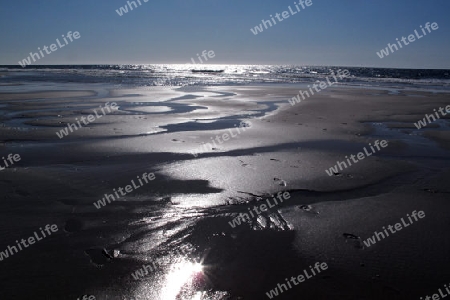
x,y
353,240
243,164
280,182
102,256
308,208
73,225
177,141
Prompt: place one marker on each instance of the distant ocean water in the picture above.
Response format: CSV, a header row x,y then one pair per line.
x,y
182,75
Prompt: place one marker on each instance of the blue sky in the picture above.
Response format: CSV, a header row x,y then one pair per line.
x,y
330,32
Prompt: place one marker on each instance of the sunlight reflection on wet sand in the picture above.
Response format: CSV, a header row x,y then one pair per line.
x,y
181,276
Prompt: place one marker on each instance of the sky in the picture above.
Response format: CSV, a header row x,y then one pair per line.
x,y
329,32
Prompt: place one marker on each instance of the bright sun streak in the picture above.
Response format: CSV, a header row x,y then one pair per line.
x,y
180,274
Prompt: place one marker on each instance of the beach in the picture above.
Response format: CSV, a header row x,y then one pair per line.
x,y
270,147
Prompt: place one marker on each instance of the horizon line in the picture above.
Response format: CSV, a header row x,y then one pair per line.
x,y
222,64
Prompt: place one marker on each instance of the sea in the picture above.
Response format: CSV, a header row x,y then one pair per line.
x,y
179,75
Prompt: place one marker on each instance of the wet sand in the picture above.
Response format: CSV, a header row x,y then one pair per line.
x,y
281,148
